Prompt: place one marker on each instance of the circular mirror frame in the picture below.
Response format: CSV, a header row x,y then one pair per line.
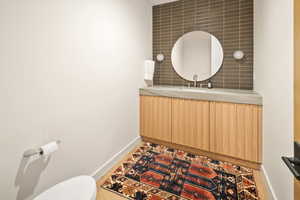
x,y
221,62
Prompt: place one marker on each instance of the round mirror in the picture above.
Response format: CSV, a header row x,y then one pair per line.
x,y
197,56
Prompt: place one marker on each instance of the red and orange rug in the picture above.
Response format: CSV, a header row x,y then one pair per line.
x,y
156,172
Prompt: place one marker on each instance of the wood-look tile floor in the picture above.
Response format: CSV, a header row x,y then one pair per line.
x,y
107,195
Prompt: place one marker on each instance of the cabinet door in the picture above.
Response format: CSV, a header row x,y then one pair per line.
x,y
190,123
236,130
155,117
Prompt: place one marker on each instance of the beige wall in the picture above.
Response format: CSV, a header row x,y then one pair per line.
x,y
273,69
69,70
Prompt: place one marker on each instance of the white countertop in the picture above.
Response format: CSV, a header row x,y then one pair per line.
x,y
215,94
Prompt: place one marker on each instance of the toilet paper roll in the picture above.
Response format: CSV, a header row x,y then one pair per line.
x,y
49,148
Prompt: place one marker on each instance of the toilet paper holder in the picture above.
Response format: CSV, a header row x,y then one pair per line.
x,y
38,151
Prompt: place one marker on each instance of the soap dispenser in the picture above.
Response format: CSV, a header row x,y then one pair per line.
x,y
209,85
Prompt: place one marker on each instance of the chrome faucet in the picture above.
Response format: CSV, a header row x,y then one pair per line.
x,y
195,78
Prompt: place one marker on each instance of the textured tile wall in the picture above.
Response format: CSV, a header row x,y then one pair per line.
x,y
231,21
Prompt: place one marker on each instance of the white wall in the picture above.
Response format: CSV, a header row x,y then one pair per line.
x,y
69,70
273,68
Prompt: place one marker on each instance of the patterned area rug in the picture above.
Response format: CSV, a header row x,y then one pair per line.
x,y
156,172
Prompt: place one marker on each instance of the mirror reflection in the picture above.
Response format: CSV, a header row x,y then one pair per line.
x,y
197,56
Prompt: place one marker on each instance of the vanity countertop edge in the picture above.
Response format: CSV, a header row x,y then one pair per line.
x,y
215,94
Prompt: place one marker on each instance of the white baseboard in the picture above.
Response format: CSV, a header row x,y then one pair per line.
x,y
270,187
114,160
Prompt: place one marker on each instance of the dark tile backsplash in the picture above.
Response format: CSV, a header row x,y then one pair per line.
x,y
231,21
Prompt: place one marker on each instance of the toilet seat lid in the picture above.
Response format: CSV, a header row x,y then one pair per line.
x,y
78,188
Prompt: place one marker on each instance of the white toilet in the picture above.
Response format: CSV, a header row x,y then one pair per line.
x,y
78,188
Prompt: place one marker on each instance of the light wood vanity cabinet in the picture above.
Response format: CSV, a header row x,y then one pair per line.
x,y
190,123
228,129
155,117
235,130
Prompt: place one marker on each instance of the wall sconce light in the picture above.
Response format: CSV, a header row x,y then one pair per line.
x,y
238,55
160,57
